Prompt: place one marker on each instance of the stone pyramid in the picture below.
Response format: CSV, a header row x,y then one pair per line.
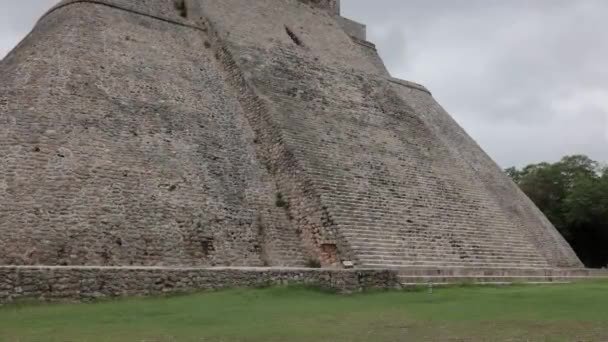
x,y
241,133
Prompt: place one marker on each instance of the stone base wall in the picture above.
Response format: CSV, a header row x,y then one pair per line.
x,y
68,283
88,283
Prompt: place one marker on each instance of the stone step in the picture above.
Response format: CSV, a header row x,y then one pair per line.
x,y
430,233
350,180
493,269
472,262
485,271
349,205
359,238
461,255
424,243
422,219
400,238
439,244
399,265
414,194
407,220
400,217
350,187
412,239
457,252
362,255
428,223
443,204
438,258
481,265
417,281
406,285
386,226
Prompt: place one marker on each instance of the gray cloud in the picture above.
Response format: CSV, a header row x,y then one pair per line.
x,y
17,18
20,16
526,78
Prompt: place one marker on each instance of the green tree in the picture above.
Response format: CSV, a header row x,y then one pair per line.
x,y
573,194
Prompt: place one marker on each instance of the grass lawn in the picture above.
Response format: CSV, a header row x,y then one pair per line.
x,y
574,312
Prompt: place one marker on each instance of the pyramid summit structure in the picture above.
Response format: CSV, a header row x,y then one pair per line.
x,y
201,133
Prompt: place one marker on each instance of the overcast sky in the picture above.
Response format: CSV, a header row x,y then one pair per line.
x,y
528,79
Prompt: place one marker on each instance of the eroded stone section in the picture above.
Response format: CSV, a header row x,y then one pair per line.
x,y
120,144
394,191
90,283
93,283
240,132
498,188
262,24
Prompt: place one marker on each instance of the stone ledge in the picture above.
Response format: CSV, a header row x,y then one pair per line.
x,y
353,28
487,271
411,85
168,13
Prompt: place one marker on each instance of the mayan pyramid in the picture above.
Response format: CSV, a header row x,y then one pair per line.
x,y
241,133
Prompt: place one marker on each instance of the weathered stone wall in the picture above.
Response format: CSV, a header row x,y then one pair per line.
x,y
498,188
87,283
120,144
75,283
369,50
395,191
239,132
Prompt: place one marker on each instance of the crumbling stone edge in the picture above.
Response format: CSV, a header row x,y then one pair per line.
x,y
89,283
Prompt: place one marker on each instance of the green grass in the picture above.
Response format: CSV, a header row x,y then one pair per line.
x,y
575,312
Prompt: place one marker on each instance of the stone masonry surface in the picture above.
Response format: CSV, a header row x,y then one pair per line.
x,y
240,133
399,182
105,164
83,283
88,283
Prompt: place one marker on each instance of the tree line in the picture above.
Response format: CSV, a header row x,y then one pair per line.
x,y
573,194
